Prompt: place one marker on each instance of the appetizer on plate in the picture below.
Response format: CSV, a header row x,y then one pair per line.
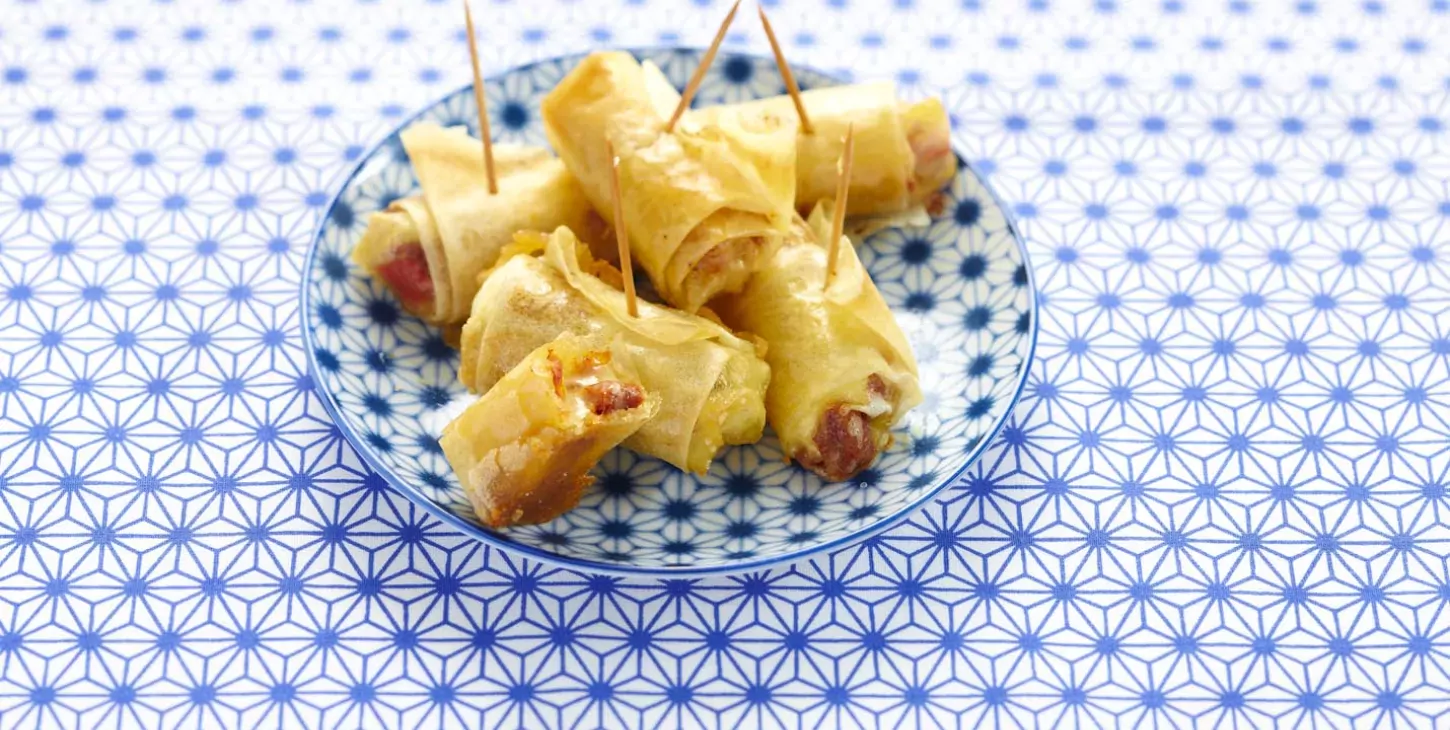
x,y
430,248
569,363
842,373
705,206
710,383
524,450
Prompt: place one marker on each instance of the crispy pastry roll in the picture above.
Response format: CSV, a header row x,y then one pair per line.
x,y
842,373
704,206
903,149
429,249
524,450
710,382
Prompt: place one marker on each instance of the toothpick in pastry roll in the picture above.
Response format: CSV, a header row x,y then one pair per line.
x,y
704,206
903,150
710,383
842,372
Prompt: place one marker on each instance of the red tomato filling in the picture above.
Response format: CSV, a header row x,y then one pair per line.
x,y
407,275
933,153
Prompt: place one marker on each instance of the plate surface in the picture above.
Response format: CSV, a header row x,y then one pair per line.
x,y
959,288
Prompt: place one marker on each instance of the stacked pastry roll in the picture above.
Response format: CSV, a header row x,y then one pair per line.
x,y
903,150
705,206
524,450
711,382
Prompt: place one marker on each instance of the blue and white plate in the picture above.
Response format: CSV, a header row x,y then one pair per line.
x,y
959,287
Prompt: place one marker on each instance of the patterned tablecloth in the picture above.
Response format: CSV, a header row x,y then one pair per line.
x,y
1221,503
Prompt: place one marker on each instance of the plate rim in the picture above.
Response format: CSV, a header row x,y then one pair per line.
x,y
663,572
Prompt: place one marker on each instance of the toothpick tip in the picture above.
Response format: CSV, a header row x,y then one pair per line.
x,y
791,86
484,133
843,189
621,236
705,61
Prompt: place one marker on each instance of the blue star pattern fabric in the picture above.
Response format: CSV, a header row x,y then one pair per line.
x,y
1221,503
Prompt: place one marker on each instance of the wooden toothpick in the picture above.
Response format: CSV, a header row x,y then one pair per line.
x,y
483,130
705,62
621,235
786,75
843,188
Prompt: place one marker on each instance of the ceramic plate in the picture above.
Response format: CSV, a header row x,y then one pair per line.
x,y
959,287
